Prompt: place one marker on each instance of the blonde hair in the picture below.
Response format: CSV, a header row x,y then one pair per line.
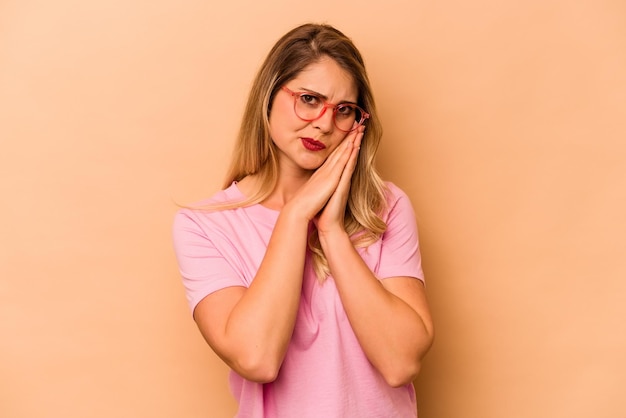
x,y
255,152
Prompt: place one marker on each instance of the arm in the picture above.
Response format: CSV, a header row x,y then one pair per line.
x,y
250,328
390,318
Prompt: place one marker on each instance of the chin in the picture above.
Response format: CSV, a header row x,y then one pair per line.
x,y
311,166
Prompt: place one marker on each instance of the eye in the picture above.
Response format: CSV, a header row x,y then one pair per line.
x,y
310,99
346,110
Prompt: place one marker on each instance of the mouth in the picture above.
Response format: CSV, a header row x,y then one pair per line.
x,y
312,145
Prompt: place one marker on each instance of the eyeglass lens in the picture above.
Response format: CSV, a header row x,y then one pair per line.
x,y
311,107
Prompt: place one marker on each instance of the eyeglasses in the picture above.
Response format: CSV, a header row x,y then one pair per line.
x,y
310,107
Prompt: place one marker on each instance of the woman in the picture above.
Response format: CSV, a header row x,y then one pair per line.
x,y
304,273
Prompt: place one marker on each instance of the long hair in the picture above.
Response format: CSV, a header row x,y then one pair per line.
x,y
255,152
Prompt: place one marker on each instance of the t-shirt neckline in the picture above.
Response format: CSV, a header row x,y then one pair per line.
x,y
257,210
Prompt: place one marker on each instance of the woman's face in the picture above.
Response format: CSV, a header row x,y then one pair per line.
x,y
302,145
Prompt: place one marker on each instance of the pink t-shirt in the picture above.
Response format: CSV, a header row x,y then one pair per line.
x,y
325,372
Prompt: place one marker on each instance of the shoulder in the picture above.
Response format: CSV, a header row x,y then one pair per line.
x,y
214,203
396,198
393,192
231,194
206,210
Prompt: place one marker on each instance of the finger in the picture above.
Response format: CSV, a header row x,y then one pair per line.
x,y
346,175
354,156
345,149
359,134
342,185
337,160
342,157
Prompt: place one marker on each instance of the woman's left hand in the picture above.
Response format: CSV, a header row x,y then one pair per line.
x,y
331,218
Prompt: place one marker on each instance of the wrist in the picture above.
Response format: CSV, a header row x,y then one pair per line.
x,y
293,214
331,236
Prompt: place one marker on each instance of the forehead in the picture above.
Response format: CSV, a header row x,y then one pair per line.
x,y
327,78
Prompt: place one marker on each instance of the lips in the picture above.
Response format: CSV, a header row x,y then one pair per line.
x,y
312,145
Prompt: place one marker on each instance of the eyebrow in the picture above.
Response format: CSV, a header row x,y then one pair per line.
x,y
326,97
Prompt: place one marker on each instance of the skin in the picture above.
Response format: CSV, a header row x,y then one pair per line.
x,y
250,328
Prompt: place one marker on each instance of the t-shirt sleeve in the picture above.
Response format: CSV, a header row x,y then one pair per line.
x,y
400,252
203,268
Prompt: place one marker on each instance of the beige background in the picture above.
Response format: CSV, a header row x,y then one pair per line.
x,y
505,123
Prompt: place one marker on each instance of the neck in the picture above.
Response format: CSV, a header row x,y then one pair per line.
x,y
287,186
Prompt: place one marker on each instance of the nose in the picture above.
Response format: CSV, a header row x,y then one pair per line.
x,y
325,121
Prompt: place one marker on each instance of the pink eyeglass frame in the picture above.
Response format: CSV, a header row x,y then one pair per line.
x,y
297,95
